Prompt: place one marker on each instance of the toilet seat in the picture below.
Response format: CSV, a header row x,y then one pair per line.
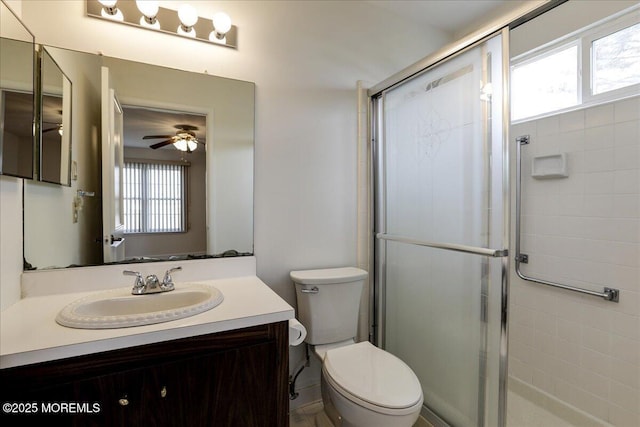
x,y
373,378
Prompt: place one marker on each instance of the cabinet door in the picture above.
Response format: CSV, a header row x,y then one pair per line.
x,y
119,395
230,388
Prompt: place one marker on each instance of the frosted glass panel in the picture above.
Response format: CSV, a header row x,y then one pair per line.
x,y
439,147
433,324
442,181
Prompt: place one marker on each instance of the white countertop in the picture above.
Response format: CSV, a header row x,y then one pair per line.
x,y
29,333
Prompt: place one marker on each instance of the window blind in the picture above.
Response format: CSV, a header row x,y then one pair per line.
x,y
154,197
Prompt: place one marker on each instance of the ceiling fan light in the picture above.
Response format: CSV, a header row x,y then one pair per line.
x,y
192,145
181,144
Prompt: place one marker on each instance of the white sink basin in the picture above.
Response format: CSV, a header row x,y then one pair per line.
x,y
119,309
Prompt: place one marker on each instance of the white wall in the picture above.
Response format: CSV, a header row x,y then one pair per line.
x,y
10,239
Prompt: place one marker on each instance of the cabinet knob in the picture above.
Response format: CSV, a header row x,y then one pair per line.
x,y
123,402
163,392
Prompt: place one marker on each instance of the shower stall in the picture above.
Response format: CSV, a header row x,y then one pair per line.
x,y
458,139
441,229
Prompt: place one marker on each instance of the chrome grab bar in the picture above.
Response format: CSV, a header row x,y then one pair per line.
x,y
609,294
496,253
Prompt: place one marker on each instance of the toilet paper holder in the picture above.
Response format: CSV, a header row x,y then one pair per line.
x,y
297,332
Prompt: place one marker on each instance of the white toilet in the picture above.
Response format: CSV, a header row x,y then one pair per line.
x,y
362,385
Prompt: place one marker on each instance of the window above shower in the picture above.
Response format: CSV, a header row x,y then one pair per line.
x,y
593,65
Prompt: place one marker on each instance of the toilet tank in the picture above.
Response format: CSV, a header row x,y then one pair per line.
x,y
329,302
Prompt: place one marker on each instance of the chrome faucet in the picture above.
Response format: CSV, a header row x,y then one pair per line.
x,y
151,284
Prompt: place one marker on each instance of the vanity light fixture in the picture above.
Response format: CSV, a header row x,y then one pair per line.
x,y
149,10
110,11
185,21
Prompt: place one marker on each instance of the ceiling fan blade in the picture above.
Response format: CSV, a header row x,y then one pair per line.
x,y
156,136
161,144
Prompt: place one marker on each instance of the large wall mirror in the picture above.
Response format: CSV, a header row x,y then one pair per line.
x,y
16,96
182,181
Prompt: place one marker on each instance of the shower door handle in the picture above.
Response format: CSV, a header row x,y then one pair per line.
x,y
494,253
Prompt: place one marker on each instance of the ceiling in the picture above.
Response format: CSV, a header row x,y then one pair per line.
x,y
451,16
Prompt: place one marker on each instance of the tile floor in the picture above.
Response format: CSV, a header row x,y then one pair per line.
x,y
312,415
521,413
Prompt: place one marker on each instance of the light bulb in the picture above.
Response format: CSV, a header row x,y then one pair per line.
x,y
188,15
215,37
144,22
188,18
110,11
148,8
221,23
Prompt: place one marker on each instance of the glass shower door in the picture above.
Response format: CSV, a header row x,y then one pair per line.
x,y
441,226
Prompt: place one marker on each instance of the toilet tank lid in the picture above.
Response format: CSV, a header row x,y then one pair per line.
x,y
327,276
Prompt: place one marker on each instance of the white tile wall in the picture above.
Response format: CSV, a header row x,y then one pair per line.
x,y
583,230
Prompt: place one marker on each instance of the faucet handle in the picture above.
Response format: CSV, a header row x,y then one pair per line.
x,y
167,281
138,286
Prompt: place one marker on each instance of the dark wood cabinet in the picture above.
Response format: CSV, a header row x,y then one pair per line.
x,y
236,378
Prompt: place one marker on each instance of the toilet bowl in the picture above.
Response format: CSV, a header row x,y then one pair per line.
x,y
362,385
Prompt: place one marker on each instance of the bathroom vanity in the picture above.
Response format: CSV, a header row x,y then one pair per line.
x,y
233,378
227,366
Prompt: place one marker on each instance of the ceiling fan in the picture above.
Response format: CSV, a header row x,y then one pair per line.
x,y
184,140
